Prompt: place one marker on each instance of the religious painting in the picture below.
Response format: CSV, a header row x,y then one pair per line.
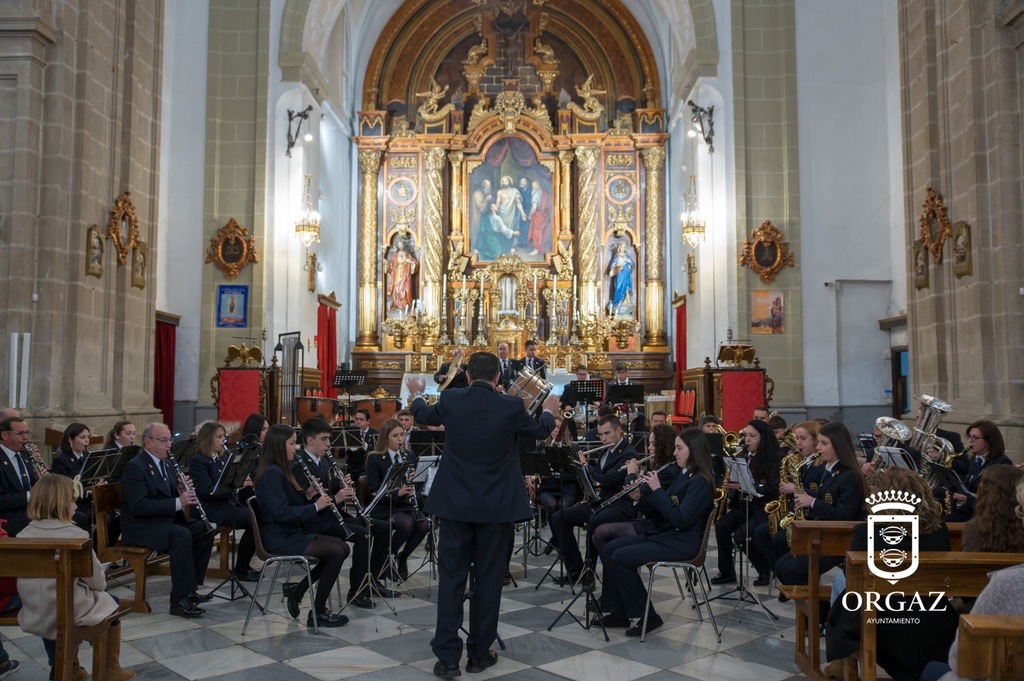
x,y
511,208
920,264
140,260
962,264
620,274
767,312
401,265
232,306
94,252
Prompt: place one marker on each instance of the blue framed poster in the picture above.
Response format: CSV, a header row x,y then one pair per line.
x,y
232,307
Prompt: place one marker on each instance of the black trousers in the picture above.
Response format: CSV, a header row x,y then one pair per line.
x,y
734,529
579,515
365,560
189,548
485,547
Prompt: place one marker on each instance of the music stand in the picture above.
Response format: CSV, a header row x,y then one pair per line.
x,y
631,393
240,466
896,456
115,463
739,472
99,465
426,442
534,462
867,445
947,478
343,378
588,392
551,460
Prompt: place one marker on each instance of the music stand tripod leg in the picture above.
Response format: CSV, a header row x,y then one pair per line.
x,y
586,580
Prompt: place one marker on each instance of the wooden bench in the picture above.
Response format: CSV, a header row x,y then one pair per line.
x,y
814,539
991,647
64,560
957,573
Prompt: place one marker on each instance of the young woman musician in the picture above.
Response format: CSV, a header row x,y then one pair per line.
x,y
121,435
256,426
220,506
402,507
684,509
284,508
69,462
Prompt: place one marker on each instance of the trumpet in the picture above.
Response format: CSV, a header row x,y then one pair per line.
x,y
315,482
187,486
626,489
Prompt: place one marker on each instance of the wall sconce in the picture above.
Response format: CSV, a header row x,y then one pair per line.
x,y
692,224
307,226
293,135
704,123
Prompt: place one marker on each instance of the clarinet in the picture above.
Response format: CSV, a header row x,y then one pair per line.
x,y
315,481
410,473
210,527
344,482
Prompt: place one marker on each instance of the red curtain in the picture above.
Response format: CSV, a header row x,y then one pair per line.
x,y
680,338
163,383
327,348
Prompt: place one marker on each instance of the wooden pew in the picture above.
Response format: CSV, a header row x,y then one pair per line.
x,y
64,560
814,539
991,647
956,573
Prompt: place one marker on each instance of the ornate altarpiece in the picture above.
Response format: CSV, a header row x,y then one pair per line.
x,y
511,159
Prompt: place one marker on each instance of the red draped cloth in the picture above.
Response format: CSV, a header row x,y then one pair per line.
x,y
163,381
327,348
540,224
680,343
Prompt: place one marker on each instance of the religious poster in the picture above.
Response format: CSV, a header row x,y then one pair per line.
x,y
232,305
766,312
510,203
402,264
620,275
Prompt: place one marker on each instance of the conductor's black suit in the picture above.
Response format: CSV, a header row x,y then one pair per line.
x,y
478,494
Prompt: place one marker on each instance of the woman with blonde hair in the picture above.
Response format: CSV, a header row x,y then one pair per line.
x,y
50,510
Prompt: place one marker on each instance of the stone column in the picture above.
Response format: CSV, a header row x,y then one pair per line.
x,y
654,239
586,157
369,167
433,213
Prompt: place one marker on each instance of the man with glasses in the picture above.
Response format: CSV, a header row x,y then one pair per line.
x,y
152,516
17,475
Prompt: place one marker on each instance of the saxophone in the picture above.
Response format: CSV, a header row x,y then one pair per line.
x,y
777,508
798,488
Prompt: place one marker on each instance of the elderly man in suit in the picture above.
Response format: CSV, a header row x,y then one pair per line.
x,y
478,494
153,516
16,474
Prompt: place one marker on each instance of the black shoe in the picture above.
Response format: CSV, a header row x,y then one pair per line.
x,y
763,580
588,581
386,592
653,622
505,581
446,672
783,598
569,579
363,600
549,549
196,598
724,578
474,666
403,569
616,620
186,608
293,598
247,575
327,619
9,666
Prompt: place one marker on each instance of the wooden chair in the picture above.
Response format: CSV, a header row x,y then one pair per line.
x,y
275,559
106,500
991,647
695,572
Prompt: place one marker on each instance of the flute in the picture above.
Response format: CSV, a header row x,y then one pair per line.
x,y
641,462
629,488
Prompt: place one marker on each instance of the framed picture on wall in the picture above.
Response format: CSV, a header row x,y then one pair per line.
x,y
962,262
232,307
921,251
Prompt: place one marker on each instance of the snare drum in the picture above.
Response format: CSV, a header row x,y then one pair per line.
x,y
531,388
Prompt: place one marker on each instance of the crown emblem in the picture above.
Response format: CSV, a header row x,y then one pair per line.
x,y
893,499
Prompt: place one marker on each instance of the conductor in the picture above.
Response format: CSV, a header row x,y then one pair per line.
x,y
478,494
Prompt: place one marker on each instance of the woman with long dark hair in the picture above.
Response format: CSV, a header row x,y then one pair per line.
x,y
254,428
284,509
995,526
683,510
69,462
738,524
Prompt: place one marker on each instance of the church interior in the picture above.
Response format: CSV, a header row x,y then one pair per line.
x,y
213,208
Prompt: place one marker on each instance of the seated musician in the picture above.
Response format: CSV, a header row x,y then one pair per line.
x,y
1003,595
602,411
255,428
18,474
459,379
69,462
121,435
221,505
355,461
839,496
661,445
286,511
778,426
683,508
609,473
316,439
739,523
401,506
558,491
152,515
987,448
903,649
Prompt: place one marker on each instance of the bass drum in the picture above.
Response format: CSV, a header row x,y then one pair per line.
x,y
308,407
531,388
381,409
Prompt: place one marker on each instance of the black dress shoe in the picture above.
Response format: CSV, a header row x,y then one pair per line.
x,y
197,598
505,581
653,622
363,600
616,620
548,549
474,666
185,608
446,672
763,580
293,598
724,578
327,619
569,579
403,569
247,575
386,592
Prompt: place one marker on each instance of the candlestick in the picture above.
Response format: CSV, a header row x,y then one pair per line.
x,y
463,283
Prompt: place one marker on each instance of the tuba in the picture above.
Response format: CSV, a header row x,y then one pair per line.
x,y
924,437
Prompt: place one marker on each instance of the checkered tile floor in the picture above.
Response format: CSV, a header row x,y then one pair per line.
x,y
396,646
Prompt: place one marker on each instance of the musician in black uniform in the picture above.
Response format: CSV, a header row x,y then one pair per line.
x,y
69,462
610,473
532,361
478,494
459,380
152,516
987,448
355,461
18,475
744,516
220,504
508,366
285,512
840,496
677,516
402,507
316,438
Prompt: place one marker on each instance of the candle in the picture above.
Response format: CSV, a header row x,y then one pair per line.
x,y
534,283
463,285
444,284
